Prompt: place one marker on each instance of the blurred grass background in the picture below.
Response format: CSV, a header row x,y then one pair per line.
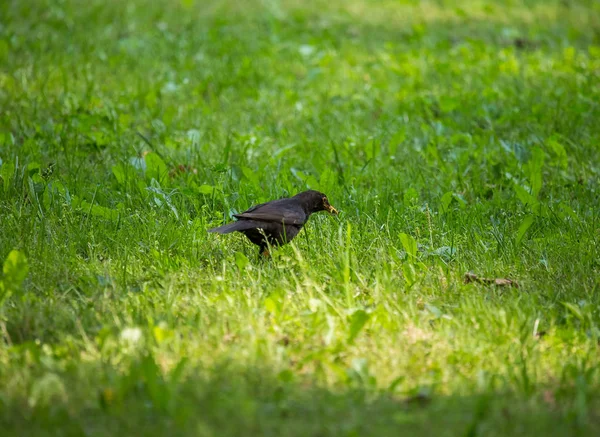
x,y
453,136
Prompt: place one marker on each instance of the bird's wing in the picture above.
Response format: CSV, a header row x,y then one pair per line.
x,y
282,211
241,225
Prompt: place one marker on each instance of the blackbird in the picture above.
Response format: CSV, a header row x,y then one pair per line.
x,y
277,222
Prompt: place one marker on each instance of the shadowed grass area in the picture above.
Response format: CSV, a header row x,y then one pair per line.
x,y
229,399
452,136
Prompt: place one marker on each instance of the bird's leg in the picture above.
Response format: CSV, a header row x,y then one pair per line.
x,y
265,245
264,251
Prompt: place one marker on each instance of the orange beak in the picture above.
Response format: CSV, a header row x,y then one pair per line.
x,y
332,210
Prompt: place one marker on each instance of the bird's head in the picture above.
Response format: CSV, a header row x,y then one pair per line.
x,y
314,201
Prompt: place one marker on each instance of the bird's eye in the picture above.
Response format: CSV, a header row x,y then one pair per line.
x,y
325,201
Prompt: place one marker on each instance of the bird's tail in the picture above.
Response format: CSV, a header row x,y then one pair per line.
x,y
235,226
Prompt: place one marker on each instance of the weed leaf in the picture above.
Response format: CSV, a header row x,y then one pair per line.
x,y
525,225
358,320
15,268
409,244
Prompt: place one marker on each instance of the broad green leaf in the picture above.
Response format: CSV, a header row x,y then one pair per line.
x,y
327,180
95,210
559,152
409,272
154,382
576,311
398,138
4,49
286,376
15,268
448,104
104,212
536,164
358,320
445,202
567,211
524,196
162,333
33,192
460,200
312,183
372,149
409,244
33,168
46,390
525,225
155,166
435,311
7,171
206,189
395,383
119,173
251,175
76,201
410,197
271,305
298,174
241,260
177,372
138,163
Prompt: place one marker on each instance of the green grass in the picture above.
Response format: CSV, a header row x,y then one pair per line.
x,y
452,136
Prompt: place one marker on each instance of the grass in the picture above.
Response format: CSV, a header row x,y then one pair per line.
x,y
453,136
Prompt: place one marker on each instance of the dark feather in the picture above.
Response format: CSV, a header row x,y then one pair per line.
x,y
281,211
241,225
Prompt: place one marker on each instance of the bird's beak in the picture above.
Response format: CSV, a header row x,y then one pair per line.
x,y
332,210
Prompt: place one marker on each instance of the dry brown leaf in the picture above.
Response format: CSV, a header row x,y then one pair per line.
x,y
229,337
549,398
181,169
499,282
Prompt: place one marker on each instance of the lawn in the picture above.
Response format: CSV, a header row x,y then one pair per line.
x,y
453,136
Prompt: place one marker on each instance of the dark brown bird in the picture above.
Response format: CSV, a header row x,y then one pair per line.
x,y
279,221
